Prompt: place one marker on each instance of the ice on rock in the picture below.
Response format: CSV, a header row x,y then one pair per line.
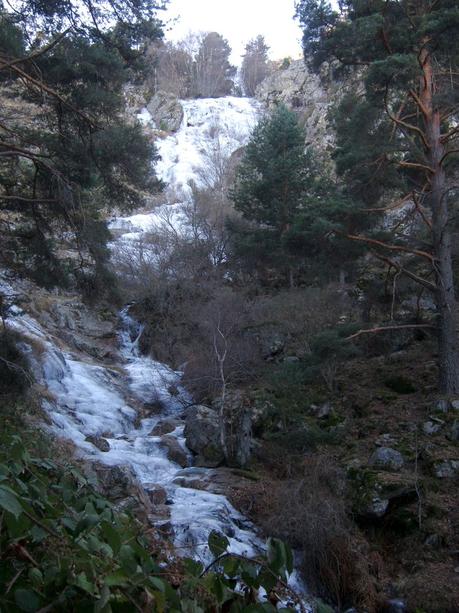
x,y
211,127
87,399
208,123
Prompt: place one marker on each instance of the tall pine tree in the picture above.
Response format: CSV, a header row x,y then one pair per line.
x,y
400,133
272,181
67,152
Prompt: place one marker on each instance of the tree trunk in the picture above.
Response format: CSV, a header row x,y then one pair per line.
x,y
445,294
438,200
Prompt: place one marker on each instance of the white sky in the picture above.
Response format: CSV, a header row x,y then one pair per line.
x,y
239,21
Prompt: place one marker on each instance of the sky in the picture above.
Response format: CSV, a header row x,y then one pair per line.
x,y
239,21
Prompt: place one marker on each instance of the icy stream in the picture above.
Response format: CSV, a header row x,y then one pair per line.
x,y
86,398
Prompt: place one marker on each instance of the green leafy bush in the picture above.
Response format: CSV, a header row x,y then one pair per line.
x,y
64,547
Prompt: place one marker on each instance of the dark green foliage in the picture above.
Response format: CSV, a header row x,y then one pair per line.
x,y
397,136
400,384
68,154
318,234
273,176
272,181
332,344
63,545
14,371
383,41
296,217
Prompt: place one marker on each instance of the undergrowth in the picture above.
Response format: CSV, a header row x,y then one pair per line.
x,y
64,547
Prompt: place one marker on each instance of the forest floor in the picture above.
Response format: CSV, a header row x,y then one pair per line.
x,y
369,533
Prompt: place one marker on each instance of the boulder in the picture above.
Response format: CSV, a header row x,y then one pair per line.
x,y
202,435
429,427
119,484
446,469
100,442
156,493
377,493
387,459
166,111
376,508
175,452
165,426
238,427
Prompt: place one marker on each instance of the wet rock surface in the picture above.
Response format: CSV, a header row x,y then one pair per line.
x,y
175,452
165,426
98,441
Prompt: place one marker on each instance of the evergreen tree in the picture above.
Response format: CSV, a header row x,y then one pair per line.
x,y
272,181
67,153
213,72
400,133
255,66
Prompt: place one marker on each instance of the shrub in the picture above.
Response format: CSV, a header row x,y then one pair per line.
x,y
316,524
65,548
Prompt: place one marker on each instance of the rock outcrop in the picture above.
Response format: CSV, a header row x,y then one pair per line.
x,y
166,111
202,434
302,91
175,453
310,96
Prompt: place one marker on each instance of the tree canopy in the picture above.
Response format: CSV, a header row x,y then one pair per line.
x,y
213,72
67,151
255,65
397,138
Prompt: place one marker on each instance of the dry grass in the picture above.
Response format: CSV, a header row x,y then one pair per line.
x,y
309,513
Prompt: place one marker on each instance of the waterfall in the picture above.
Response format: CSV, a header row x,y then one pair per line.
x,y
88,399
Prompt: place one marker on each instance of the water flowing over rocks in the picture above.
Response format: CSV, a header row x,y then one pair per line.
x,y
97,410
127,415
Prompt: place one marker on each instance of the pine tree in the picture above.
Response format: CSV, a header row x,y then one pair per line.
x,y
272,180
213,72
255,66
67,153
400,133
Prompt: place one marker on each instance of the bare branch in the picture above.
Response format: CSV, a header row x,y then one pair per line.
x,y
427,284
388,328
378,243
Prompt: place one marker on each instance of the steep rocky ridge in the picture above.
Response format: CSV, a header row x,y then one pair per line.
x,y
310,95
